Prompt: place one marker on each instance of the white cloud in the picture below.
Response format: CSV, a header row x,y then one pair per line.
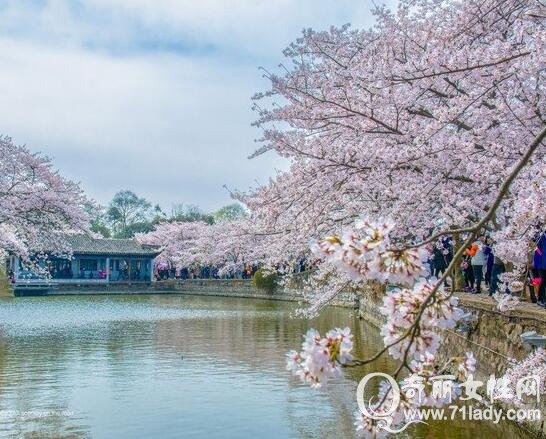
x,y
152,96
254,26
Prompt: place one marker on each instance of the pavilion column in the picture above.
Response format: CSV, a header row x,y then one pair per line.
x,y
15,268
107,270
152,270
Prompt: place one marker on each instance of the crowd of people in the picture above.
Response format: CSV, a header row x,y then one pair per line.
x,y
164,272
481,267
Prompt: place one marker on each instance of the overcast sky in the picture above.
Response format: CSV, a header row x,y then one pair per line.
x,y
150,95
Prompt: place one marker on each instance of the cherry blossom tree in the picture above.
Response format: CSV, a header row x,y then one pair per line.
x,y
434,119
418,119
36,202
224,245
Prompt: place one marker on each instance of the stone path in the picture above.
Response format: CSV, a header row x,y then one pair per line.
x,y
483,301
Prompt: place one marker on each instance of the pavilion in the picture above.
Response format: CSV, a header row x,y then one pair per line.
x,y
91,260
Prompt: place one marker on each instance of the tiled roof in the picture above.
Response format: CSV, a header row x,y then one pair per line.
x,y
84,244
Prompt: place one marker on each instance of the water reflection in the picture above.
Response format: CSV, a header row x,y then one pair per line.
x,y
172,366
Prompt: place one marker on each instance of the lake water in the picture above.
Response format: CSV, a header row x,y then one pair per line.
x,y
176,367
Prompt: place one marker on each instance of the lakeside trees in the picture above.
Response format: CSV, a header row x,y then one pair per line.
x,y
419,119
191,238
128,215
35,200
226,245
431,123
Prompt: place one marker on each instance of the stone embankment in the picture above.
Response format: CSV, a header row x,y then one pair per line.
x,y
238,288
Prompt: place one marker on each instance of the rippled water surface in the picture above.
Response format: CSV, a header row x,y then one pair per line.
x,y
175,367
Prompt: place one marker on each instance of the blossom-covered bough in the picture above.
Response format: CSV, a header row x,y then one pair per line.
x,y
419,119
36,202
435,119
414,317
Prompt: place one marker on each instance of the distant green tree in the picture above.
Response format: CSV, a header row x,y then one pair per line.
x,y
131,229
158,213
97,218
101,229
231,212
190,213
127,209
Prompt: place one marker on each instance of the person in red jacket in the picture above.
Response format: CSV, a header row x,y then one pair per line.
x,y
478,261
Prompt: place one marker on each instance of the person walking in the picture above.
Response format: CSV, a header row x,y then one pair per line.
x,y
466,270
439,262
539,267
489,261
477,261
442,254
496,270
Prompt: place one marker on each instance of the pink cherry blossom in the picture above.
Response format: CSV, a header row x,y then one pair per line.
x,y
401,309
534,364
468,366
36,203
321,358
506,302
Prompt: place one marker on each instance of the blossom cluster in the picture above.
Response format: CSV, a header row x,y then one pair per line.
x,y
363,253
534,364
506,302
467,366
321,358
406,312
368,427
